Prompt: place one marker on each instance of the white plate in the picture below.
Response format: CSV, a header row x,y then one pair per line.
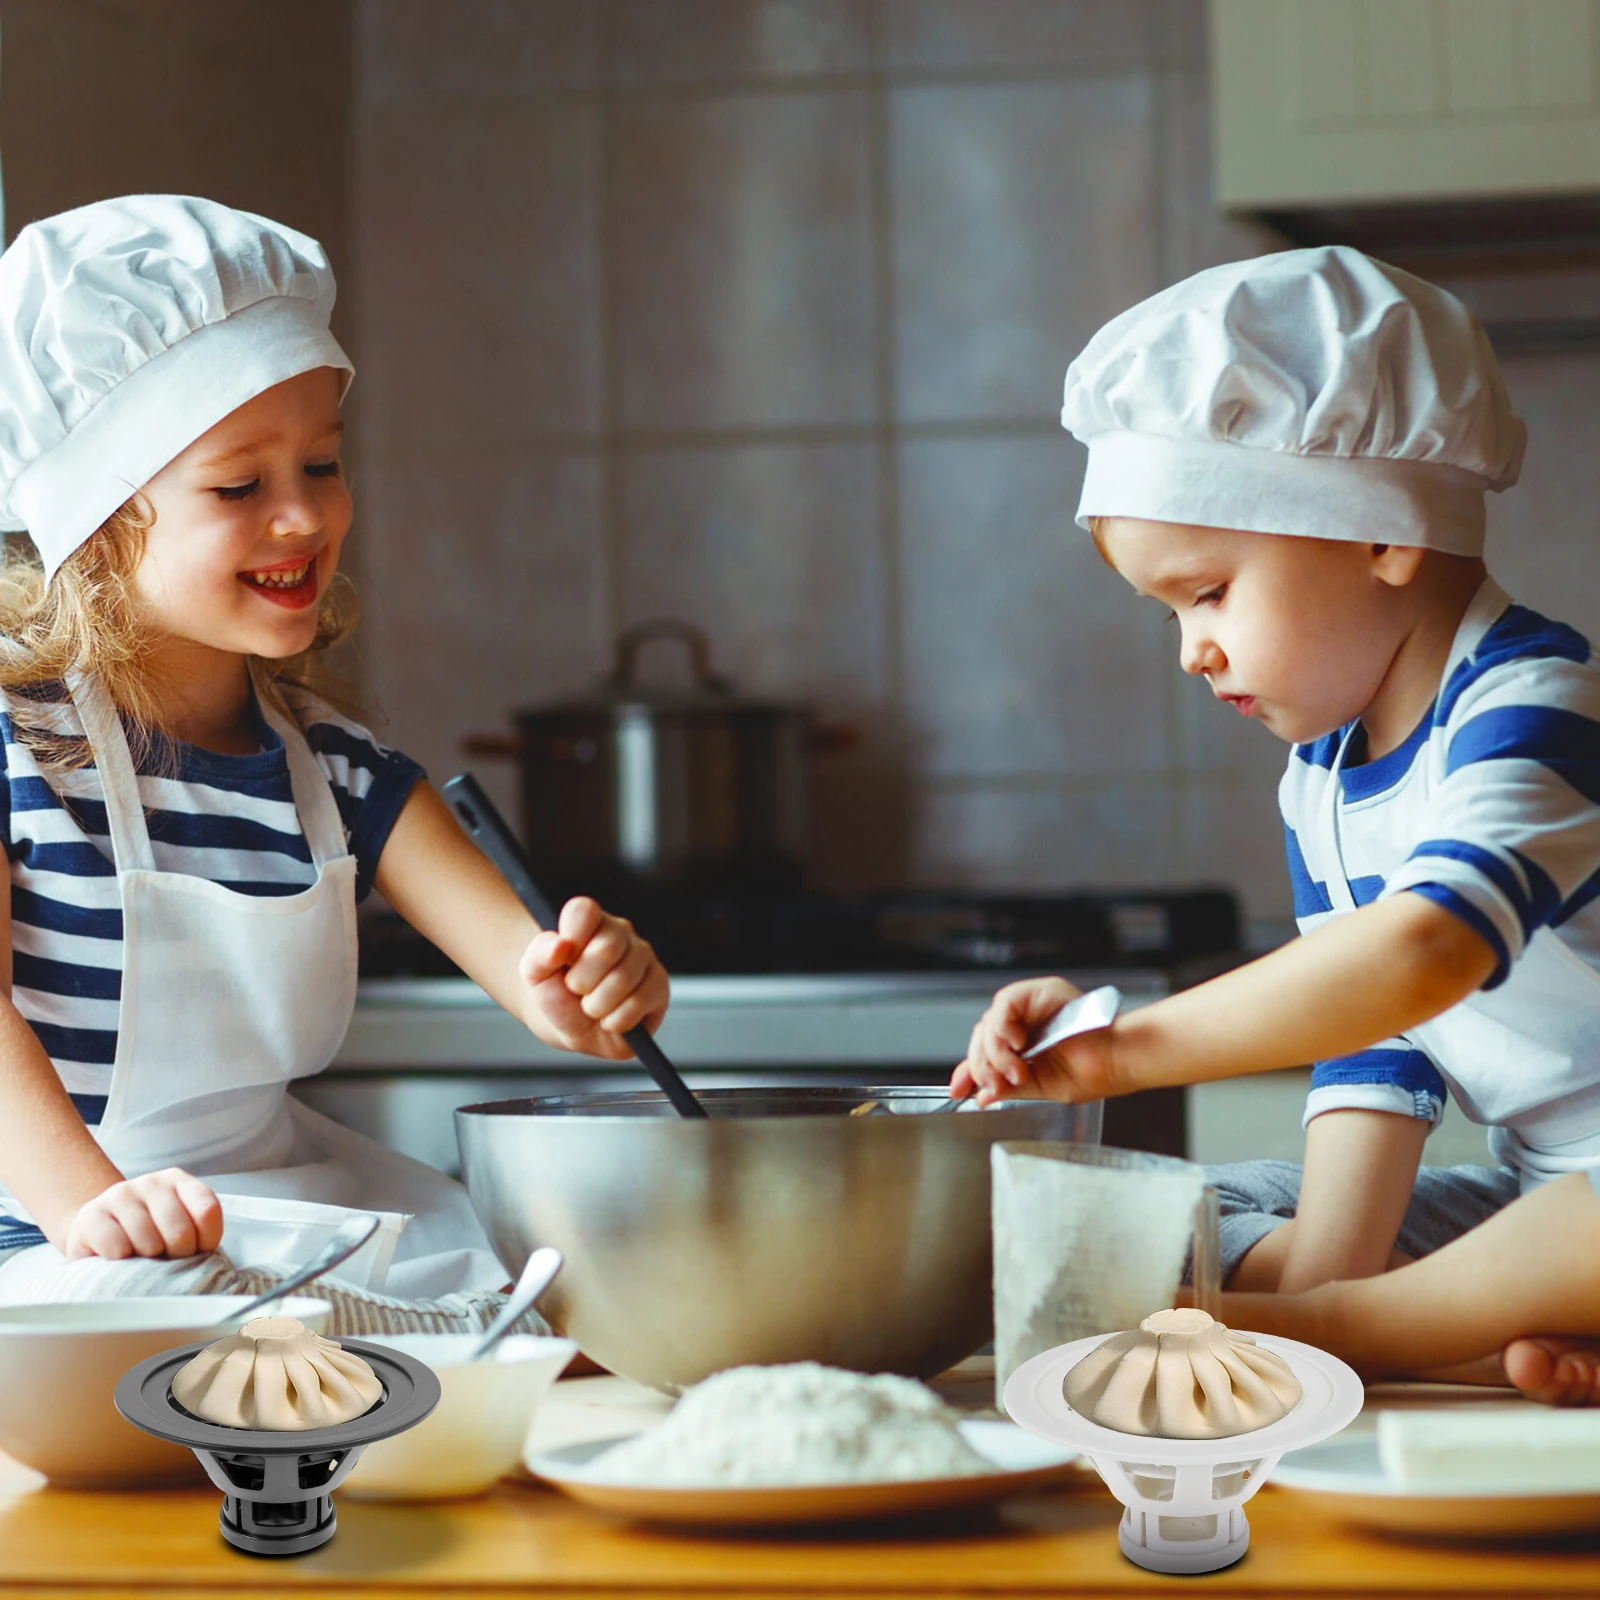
x,y
1344,1478
1022,1464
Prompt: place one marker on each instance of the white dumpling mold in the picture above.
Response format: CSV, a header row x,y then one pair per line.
x,y
1184,1499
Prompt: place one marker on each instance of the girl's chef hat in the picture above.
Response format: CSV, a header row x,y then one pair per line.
x,y
1315,392
130,327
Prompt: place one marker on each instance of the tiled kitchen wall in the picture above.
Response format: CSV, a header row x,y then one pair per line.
x,y
242,102
247,102
755,312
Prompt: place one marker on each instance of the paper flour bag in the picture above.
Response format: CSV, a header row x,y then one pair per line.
x,y
1089,1240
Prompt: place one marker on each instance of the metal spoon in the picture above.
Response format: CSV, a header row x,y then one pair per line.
x,y
1096,1009
542,1266
480,818
876,1108
349,1237
1086,1014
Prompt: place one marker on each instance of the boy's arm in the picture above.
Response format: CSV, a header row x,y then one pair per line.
x,y
1360,978
1363,977
579,987
1359,1171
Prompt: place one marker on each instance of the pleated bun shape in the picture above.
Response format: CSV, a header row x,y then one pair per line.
x,y
1182,1375
276,1373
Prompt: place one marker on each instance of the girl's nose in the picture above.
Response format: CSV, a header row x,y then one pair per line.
x,y
296,513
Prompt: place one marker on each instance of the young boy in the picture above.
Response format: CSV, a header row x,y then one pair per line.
x,y
1292,454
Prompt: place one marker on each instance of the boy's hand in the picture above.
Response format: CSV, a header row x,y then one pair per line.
x,y
167,1213
592,980
1077,1069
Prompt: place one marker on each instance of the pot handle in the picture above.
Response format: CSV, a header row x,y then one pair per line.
x,y
631,640
508,746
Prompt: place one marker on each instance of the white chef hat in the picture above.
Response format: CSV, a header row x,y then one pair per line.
x,y
1314,392
130,327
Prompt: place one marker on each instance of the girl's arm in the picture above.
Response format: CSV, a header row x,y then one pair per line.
x,y
50,1161
1360,978
580,986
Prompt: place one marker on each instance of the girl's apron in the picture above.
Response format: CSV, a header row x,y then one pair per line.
x,y
228,997
1539,1092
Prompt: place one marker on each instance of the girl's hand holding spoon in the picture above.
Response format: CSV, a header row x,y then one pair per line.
x,y
590,980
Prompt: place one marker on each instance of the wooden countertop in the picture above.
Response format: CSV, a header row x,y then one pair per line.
x,y
522,1537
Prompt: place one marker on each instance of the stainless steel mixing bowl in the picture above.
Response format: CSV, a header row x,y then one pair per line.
x,y
781,1229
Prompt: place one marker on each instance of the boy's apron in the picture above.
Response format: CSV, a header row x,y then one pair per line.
x,y
1481,1045
226,998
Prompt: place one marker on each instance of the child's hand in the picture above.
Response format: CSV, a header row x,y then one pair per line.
x,y
593,979
167,1213
1078,1068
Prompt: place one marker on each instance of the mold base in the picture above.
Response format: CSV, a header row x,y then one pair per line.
x,y
1225,1545
277,1528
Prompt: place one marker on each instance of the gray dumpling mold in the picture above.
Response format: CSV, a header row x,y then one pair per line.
x,y
277,1484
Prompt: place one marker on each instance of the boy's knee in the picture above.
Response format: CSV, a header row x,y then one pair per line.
x,y
1272,1187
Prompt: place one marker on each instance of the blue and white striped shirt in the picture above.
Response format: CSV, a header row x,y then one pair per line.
x,y
229,818
1491,808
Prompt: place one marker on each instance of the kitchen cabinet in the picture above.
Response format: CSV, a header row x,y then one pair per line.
x,y
1258,1119
1341,102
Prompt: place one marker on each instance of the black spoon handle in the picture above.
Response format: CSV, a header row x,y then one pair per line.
x,y
481,819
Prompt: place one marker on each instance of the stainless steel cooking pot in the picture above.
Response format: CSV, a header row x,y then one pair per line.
x,y
656,787
780,1229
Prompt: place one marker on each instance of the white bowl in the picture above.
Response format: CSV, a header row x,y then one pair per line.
x,y
477,1431
59,1365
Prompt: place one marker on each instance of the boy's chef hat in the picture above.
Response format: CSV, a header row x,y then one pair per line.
x,y
130,327
1314,392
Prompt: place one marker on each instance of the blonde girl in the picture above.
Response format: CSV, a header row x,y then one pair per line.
x,y
188,824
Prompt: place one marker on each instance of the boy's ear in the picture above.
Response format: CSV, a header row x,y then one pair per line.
x,y
1397,564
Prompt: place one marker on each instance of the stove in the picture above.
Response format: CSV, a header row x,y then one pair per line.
x,y
807,989
929,931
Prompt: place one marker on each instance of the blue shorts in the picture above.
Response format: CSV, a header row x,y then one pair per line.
x,y
1254,1197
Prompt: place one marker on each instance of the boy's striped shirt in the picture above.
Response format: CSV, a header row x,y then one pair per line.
x,y
1491,809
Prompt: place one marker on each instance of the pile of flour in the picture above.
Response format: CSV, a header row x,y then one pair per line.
x,y
797,1424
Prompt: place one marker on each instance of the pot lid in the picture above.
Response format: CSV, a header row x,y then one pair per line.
x,y
622,687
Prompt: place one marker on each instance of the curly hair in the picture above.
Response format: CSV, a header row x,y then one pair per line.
x,y
86,619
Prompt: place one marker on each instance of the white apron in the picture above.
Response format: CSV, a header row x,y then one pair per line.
x,y
1538,1091
226,998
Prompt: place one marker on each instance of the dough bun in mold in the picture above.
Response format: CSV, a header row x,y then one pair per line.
x,y
275,1373
1182,1375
